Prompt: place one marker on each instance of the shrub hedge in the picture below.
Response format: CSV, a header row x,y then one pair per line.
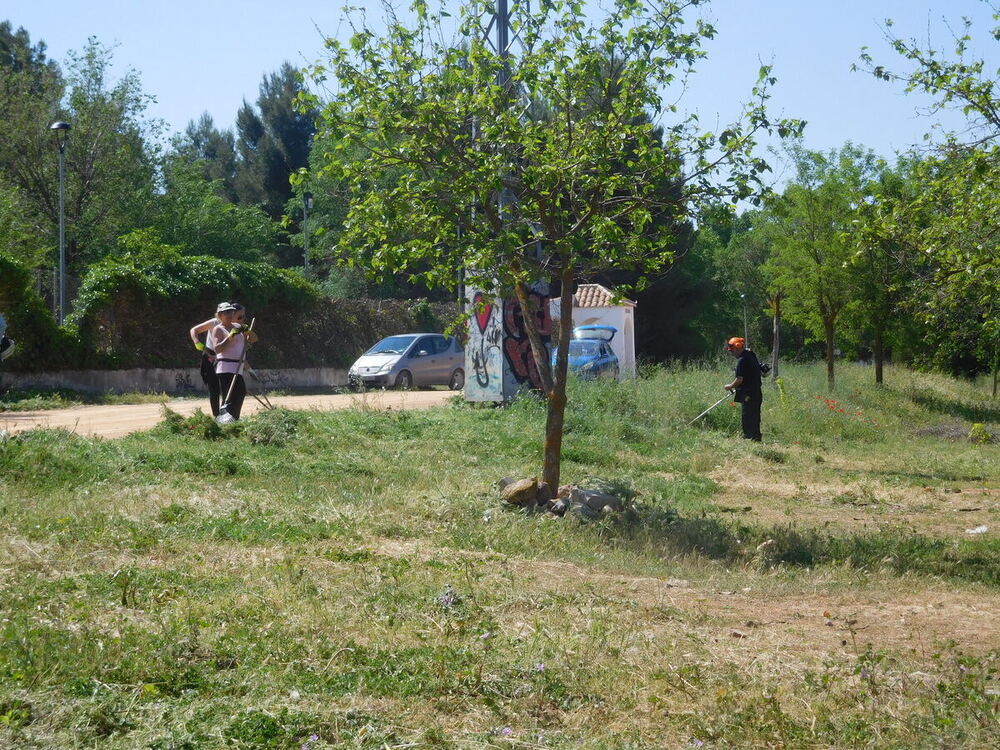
x,y
135,310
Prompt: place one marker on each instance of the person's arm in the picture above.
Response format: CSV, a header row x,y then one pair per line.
x,y
200,329
738,380
221,338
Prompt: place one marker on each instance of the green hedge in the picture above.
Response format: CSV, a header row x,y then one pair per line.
x,y
135,310
41,343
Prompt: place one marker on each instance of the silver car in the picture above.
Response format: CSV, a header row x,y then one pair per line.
x,y
411,359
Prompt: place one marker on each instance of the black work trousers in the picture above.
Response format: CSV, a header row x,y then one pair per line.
x,y
239,392
751,416
211,380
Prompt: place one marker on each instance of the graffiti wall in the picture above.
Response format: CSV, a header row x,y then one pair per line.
x,y
519,363
498,358
484,365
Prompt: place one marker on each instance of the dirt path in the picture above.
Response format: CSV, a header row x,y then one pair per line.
x,y
115,421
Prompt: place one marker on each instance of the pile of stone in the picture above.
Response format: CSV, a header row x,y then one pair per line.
x,y
535,496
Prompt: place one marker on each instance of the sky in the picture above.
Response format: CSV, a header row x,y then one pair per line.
x,y
210,55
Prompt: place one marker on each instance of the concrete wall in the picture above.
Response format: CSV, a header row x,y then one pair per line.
x,y
157,380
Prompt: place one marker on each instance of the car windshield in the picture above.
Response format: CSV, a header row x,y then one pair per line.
x,y
392,345
584,348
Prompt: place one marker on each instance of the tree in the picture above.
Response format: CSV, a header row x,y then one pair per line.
x,y
885,264
31,87
110,166
193,214
213,149
952,217
17,238
485,177
811,229
273,141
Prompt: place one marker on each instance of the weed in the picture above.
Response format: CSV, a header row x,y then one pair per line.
x,y
273,426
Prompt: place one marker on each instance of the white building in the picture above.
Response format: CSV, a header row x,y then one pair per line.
x,y
593,305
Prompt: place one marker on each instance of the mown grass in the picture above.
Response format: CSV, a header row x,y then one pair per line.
x,y
349,579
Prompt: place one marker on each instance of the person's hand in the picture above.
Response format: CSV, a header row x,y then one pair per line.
x,y
728,388
251,337
199,346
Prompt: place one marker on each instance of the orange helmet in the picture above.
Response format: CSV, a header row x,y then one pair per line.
x,y
735,343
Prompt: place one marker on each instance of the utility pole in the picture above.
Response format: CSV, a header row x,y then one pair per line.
x,y
746,329
307,202
61,131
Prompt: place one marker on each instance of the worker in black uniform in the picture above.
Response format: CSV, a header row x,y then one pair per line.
x,y
746,386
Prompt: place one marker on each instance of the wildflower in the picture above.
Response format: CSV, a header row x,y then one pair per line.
x,y
540,667
865,674
448,598
506,732
486,636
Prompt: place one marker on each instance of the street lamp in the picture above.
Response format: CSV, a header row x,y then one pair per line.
x,y
307,204
61,132
746,330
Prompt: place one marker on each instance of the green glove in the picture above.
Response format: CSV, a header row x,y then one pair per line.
x,y
199,346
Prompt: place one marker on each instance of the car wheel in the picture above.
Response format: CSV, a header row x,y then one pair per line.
x,y
404,381
457,381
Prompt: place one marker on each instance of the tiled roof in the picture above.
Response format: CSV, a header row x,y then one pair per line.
x,y
595,295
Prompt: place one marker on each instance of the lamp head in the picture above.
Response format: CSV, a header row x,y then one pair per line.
x,y
308,198
60,130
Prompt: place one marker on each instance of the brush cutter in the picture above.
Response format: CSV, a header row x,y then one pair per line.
x,y
224,416
724,398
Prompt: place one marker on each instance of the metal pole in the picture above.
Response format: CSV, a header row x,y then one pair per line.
x,y
62,232
746,330
305,235
503,32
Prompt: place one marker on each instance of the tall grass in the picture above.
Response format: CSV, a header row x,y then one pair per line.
x,y
350,579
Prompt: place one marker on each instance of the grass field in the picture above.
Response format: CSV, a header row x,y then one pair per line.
x,y
349,579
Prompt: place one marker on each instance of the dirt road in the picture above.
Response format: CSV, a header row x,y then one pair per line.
x,y
115,421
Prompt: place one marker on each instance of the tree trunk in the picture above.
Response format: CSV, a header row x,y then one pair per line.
x,y
879,353
538,350
996,367
776,335
828,326
557,396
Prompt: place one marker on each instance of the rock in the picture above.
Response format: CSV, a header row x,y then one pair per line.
x,y
544,494
522,493
559,507
583,509
503,482
565,490
596,501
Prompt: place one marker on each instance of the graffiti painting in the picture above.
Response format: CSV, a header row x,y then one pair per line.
x,y
520,362
484,362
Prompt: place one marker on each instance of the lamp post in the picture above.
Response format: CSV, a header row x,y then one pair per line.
x,y
746,330
307,204
61,132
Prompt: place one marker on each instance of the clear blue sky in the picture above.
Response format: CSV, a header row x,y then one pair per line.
x,y
210,55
